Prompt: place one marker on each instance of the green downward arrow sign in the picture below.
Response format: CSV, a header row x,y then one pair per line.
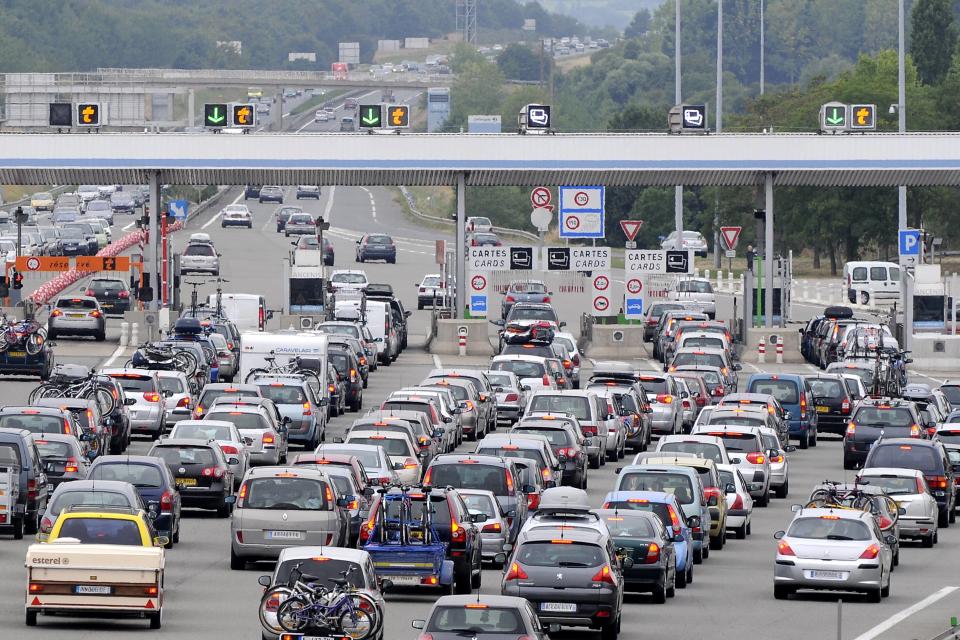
x,y
371,116
216,117
836,115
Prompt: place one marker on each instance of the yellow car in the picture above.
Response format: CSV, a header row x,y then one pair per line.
x,y
108,526
42,201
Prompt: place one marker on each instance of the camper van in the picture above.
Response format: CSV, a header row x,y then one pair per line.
x,y
872,282
283,345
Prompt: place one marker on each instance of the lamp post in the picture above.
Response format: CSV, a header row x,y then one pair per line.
x,y
677,97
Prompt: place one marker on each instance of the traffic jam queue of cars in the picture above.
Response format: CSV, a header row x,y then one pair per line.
x,y
458,471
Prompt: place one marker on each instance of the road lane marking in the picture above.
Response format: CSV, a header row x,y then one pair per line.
x,y
129,226
216,216
923,375
436,362
329,206
113,357
897,618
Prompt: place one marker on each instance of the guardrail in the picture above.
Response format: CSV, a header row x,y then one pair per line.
x,y
411,204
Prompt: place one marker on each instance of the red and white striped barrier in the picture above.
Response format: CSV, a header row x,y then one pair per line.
x,y
762,350
779,349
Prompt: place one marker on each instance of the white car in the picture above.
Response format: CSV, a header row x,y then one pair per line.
x,y
236,215
739,500
398,447
479,224
227,436
698,293
692,240
429,290
321,116
910,490
348,279
531,370
703,446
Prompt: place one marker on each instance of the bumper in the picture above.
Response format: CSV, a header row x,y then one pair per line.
x,y
799,427
736,518
76,327
778,476
491,544
303,435
661,422
830,423
115,306
203,497
311,194
508,413
916,527
851,575
266,456
644,578
378,255
856,451
146,420
235,222
176,415
586,602
264,198
199,268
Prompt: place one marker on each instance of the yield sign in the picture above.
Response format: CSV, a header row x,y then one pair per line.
x,y
730,236
631,228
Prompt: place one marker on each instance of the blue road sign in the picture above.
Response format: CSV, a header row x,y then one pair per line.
x,y
478,305
178,209
909,247
633,308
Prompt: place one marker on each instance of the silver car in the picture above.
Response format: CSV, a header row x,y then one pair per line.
x,y
148,412
495,529
833,549
918,518
692,241
227,436
664,397
236,215
77,315
200,257
254,422
281,507
300,224
179,400
511,396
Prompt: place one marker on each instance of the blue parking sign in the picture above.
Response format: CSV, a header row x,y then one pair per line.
x,y
478,305
633,308
909,241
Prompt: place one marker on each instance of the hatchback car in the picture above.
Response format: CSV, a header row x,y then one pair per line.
x,y
283,213
77,316
62,458
258,423
495,529
236,215
179,399
299,224
524,291
234,446
200,257
148,411
928,457
876,418
487,616
795,395
642,537
664,398
567,442
918,517
739,500
297,400
305,191
215,390
93,494
113,294
270,193
400,449
376,246
833,402
203,474
430,291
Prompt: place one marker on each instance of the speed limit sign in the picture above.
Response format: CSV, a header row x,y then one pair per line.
x,y
634,285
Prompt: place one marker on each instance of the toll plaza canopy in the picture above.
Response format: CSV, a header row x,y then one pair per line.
x,y
868,159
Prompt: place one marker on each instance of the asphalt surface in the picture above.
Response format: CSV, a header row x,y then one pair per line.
x,y
731,597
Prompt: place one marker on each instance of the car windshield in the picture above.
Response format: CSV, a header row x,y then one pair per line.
x,y
738,419
829,528
906,456
202,432
557,437
678,484
548,553
286,493
825,388
76,303
464,475
53,449
783,390
139,475
500,380
463,620
241,419
528,287
431,281
884,417
893,485
283,394
93,497
520,368
701,449
531,313
393,446
174,455
301,218
35,423
739,441
133,382
513,451
102,531
950,436
349,278
101,286
323,568
69,233
692,357
626,525
577,406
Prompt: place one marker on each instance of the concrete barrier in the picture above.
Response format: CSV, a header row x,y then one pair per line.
x,y
935,352
791,343
620,341
446,340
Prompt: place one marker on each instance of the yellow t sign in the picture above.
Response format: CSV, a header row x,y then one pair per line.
x,y
88,114
242,115
863,116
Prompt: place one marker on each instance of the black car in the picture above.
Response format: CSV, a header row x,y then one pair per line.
x,y
113,294
73,242
202,471
251,191
833,402
376,246
875,418
927,456
345,362
283,214
18,450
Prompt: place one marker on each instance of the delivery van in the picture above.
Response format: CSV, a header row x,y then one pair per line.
x,y
379,319
247,310
872,282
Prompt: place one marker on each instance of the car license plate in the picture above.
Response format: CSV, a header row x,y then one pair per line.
x,y
559,607
416,535
93,589
16,354
187,482
319,638
818,574
405,581
285,535
76,315
822,409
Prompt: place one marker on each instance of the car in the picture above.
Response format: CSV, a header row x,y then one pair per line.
x,y
113,294
285,506
345,362
148,411
154,483
203,473
200,257
401,450
430,291
833,549
478,224
511,396
88,192
308,190
416,425
236,215
376,246
668,326
227,361
377,466
72,241
487,616
270,193
320,116
531,446
524,291
212,391
105,526
313,244
701,445
653,314
623,418
283,213
251,191
101,209
495,529
929,457
567,442
297,400
918,518
348,279
260,423
48,415
794,393
42,201
591,575
833,402
691,241
698,293
358,502
650,547
663,395
89,234
484,240
77,315
90,493
299,224
331,457
227,436
18,451
590,411
62,458
876,418
486,399
122,202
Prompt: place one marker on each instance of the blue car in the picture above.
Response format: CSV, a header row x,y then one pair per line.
x,y
795,395
666,507
376,246
153,481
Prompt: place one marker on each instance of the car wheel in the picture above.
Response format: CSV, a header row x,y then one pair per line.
x,y
953,515
689,573
804,440
236,562
476,579
18,528
100,337
680,580
763,500
660,594
875,595
749,528
783,490
156,619
885,591
583,479
223,511
943,520
31,525
672,587
741,532
928,541
698,555
716,543
848,463
419,306
595,462
781,592
462,580
30,618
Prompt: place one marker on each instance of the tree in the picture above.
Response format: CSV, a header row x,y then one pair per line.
x,y
517,62
932,39
639,25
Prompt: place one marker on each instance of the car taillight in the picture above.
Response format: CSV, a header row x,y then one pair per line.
x,y
307,410
198,411
268,438
457,533
845,406
166,501
653,553
665,398
212,472
368,526
737,503
803,406
423,290
88,292
410,463
46,524
509,479
568,364
511,397
509,299
674,521
425,636
533,501
604,575
851,429
755,457
56,313
272,604
588,430
931,431
31,489
71,466
491,528
776,459
870,552
516,573
331,389
546,380
151,396
262,318
95,314
914,431
718,391
229,448
184,402
784,549
885,522
937,482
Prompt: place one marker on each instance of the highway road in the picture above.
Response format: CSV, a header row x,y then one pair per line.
x,y
732,591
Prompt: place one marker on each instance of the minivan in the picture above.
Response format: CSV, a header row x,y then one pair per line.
x,y
795,395
18,449
870,281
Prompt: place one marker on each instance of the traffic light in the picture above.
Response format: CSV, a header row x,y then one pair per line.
x,y
4,287
243,115
61,114
88,114
371,116
17,280
215,115
398,116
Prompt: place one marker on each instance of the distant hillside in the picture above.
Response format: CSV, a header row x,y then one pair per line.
x,y
601,13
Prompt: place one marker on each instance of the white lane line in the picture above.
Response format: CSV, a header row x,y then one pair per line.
x,y
923,375
897,618
329,206
109,361
216,216
436,362
267,223
129,226
755,368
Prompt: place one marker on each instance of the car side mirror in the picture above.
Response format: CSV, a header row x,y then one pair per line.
x,y
446,419
773,453
737,366
786,415
512,513
233,461
730,488
779,534
129,402
790,448
368,492
161,541
230,500
499,323
418,624
248,441
342,502
528,488
398,466
626,563
563,324
693,522
908,360
168,394
902,511
478,516
385,585
525,387
264,581
712,501
438,433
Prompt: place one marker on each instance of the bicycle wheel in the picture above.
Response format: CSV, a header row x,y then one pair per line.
x,y
103,397
362,601
269,604
259,371
290,614
821,495
861,502
50,391
357,624
40,391
4,345
34,344
185,362
311,377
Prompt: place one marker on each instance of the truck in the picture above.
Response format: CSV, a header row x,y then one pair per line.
x,y
108,580
304,290
339,70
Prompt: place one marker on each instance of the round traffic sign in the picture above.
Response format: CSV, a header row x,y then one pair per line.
x,y
540,197
581,198
601,283
33,263
541,217
634,285
601,303
571,222
479,283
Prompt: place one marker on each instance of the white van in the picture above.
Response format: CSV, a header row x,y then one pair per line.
x,y
380,322
256,347
872,282
247,310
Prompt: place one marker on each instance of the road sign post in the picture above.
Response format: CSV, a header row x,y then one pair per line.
x,y
633,299
730,237
630,229
834,117
215,115
478,295
644,261
601,295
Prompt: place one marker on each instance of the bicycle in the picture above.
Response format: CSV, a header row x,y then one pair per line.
x,y
302,603
831,496
30,333
159,356
293,366
87,389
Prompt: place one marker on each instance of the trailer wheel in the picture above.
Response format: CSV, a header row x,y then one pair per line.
x,y
31,618
156,619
